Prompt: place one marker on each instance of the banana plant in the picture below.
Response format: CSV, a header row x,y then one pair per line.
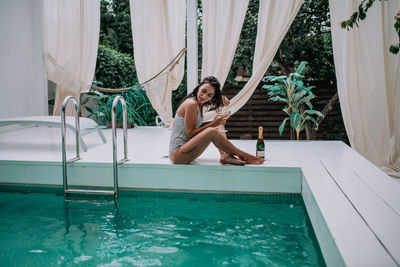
x,y
297,98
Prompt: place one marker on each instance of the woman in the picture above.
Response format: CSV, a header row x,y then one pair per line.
x,y
189,139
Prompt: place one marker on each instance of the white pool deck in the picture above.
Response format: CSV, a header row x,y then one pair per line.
x,y
354,207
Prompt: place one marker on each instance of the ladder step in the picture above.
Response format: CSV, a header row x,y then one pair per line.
x,y
122,161
73,159
91,201
86,191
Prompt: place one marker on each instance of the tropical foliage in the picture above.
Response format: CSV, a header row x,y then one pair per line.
x,y
308,39
115,66
361,14
115,26
138,105
114,69
297,98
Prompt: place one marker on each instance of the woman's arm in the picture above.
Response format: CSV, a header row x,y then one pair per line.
x,y
190,118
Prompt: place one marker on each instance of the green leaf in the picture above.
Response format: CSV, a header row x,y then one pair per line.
x,y
274,88
97,83
282,126
306,100
314,112
299,85
308,89
362,15
84,100
313,120
397,25
298,96
91,93
286,110
295,120
90,110
268,78
308,118
394,49
278,78
354,17
295,76
273,78
300,68
278,98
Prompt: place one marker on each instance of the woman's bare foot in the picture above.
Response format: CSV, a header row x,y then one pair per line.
x,y
250,159
229,159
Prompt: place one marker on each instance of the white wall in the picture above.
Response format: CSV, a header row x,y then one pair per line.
x,y
23,83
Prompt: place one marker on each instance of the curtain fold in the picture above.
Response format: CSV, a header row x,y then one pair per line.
x,y
222,24
274,20
158,30
71,35
368,81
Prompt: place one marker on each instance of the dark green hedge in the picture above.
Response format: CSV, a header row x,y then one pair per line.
x,y
114,69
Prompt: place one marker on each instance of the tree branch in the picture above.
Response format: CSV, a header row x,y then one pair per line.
x,y
328,107
315,36
278,60
310,130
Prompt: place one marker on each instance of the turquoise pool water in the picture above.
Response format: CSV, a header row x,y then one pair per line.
x,y
147,229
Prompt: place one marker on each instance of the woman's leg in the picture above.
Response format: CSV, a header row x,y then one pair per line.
x,y
191,149
195,146
227,158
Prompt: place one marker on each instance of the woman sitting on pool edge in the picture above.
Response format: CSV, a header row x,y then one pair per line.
x,y
189,140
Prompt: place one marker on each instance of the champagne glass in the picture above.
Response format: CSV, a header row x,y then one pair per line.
x,y
221,113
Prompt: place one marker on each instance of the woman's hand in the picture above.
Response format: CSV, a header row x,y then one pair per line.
x,y
219,119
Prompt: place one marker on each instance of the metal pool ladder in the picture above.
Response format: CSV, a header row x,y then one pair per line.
x,y
65,162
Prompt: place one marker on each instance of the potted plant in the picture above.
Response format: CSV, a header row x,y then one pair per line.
x,y
297,98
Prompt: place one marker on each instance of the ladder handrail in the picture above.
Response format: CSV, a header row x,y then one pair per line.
x,y
77,136
114,138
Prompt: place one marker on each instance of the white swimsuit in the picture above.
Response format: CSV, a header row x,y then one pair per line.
x,y
178,133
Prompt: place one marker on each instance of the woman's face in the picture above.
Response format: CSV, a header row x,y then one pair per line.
x,y
205,93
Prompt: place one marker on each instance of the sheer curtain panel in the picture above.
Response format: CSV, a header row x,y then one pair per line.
x,y
222,24
368,78
274,20
158,30
71,35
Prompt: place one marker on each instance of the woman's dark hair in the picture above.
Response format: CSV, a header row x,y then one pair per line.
x,y
216,101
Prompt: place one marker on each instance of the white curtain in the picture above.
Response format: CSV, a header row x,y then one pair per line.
x,y
274,20
71,35
22,70
222,24
158,30
368,79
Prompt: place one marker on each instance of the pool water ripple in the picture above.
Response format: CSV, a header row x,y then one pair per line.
x,y
38,229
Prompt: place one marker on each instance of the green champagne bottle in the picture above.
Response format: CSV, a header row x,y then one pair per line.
x,y
260,150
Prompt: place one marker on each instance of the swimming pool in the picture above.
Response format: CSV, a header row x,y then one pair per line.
x,y
150,228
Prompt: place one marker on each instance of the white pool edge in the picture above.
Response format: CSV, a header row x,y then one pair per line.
x,y
348,231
